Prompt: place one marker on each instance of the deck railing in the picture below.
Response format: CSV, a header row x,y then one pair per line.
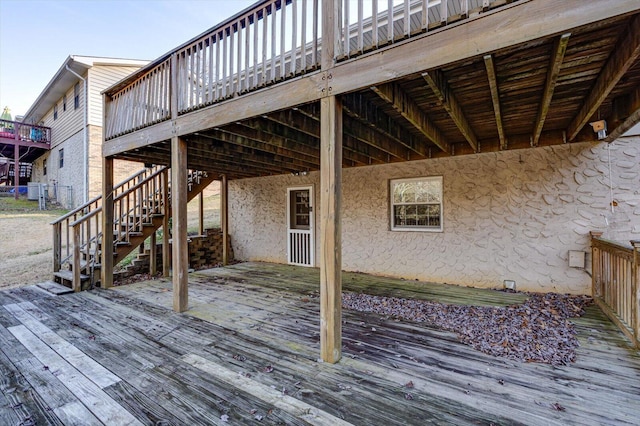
x,y
71,238
24,132
615,279
273,41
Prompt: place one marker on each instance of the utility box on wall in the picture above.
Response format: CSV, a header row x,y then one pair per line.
x,y
577,259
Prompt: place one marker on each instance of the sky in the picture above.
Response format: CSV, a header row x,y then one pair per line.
x,y
36,36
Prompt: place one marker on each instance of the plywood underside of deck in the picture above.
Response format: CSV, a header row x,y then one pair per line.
x,y
246,352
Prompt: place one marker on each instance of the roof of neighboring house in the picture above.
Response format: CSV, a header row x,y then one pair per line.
x,y
63,79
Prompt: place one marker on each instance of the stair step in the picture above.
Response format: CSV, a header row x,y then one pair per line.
x,y
68,276
54,288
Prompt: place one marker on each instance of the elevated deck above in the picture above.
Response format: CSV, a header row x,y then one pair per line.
x,y
16,134
417,79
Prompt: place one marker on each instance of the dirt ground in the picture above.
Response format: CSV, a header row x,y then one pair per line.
x,y
25,243
26,239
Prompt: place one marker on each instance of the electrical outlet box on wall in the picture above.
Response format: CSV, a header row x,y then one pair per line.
x,y
577,258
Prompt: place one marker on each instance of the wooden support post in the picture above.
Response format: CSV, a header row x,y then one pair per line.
x,y
77,278
166,232
635,299
596,268
106,260
57,245
153,267
224,218
201,213
16,168
179,191
330,229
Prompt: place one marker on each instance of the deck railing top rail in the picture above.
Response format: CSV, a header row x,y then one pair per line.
x,y
25,132
271,41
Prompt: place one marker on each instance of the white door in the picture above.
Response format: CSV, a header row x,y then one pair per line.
x,y
300,227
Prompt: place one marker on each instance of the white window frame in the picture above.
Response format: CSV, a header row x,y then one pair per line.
x,y
415,228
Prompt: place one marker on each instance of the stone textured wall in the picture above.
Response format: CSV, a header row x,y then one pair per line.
x,y
507,215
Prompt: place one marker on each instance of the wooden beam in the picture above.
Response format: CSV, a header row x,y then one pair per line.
x,y
362,139
361,109
180,249
224,218
508,26
438,83
393,94
631,116
495,98
201,213
16,171
106,252
153,255
166,229
557,56
330,230
626,53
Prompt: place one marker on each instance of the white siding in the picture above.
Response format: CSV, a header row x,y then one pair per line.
x,y
101,77
507,215
69,122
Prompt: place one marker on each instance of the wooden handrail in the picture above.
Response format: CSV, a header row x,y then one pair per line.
x,y
615,282
98,198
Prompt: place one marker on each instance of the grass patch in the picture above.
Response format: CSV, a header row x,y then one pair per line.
x,y
22,205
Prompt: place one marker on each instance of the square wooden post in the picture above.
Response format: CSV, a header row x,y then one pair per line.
x,y
166,253
106,271
179,191
153,267
201,213
224,218
16,168
596,268
330,192
635,298
330,229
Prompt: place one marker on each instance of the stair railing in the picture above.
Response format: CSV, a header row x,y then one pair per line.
x,y
63,229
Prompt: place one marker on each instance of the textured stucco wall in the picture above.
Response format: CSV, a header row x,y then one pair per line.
x,y
507,215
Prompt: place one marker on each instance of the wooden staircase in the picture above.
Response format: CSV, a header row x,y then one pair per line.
x,y
140,206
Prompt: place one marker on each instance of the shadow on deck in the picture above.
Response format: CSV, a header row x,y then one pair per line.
x,y
246,352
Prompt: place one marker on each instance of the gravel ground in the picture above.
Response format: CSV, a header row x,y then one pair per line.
x,y
538,330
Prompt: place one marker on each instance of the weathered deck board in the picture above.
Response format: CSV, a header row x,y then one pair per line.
x,y
265,334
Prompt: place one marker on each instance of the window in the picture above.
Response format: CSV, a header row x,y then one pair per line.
x,y
416,204
64,103
76,96
44,167
55,112
61,156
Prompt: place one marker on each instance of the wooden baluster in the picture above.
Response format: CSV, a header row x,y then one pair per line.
x,y
283,31
635,300
389,21
374,24
57,245
77,279
303,37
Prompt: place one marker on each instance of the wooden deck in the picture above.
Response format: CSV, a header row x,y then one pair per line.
x,y
246,353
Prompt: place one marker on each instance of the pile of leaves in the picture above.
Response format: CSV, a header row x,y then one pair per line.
x,y
538,330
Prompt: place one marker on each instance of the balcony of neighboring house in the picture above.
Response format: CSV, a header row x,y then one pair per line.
x,y
20,144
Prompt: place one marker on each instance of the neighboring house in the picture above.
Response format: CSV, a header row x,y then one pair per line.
x,y
72,168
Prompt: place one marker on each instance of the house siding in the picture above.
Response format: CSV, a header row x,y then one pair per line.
x,y
101,77
507,215
69,122
66,180
121,169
